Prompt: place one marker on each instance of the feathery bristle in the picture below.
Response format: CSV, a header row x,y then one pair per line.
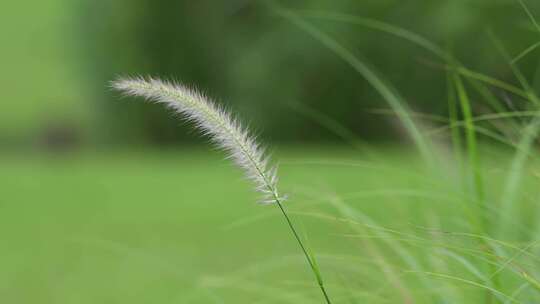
x,y
215,122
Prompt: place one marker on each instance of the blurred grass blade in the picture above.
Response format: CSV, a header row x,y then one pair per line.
x,y
403,253
532,281
526,143
453,113
470,136
530,15
469,282
395,101
380,26
515,173
335,127
492,81
526,52
415,39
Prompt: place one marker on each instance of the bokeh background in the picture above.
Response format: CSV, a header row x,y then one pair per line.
x,y
111,200
58,58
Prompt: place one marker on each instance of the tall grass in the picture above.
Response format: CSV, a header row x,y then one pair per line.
x,y
389,94
486,254
479,212
228,134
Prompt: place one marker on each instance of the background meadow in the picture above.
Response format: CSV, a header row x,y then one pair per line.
x,y
405,135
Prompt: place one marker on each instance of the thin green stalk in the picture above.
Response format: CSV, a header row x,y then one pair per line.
x,y
454,118
416,39
472,152
309,258
526,143
335,127
388,93
226,133
530,15
470,135
525,52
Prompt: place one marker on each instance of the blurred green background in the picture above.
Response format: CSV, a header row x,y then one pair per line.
x,y
108,200
58,57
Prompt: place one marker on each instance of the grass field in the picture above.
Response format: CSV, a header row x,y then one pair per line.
x,y
181,226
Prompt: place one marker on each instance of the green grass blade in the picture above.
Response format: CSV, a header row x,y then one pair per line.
x,y
469,282
530,15
530,133
395,101
514,179
526,52
470,135
380,26
335,127
453,114
415,39
309,259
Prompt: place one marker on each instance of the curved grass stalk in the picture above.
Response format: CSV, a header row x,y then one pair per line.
x,y
526,52
226,133
494,82
515,114
402,252
470,137
419,115
530,15
335,127
418,40
526,143
379,26
521,252
517,291
389,94
480,130
468,282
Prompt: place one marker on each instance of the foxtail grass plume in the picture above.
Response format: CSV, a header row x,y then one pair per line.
x,y
220,126
228,134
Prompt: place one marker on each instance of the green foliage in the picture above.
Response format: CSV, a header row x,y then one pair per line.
x,y
383,227
259,63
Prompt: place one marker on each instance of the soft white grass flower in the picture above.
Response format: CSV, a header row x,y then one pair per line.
x,y
220,126
227,133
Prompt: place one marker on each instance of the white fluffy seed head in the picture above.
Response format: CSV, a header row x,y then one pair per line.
x,y
220,126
